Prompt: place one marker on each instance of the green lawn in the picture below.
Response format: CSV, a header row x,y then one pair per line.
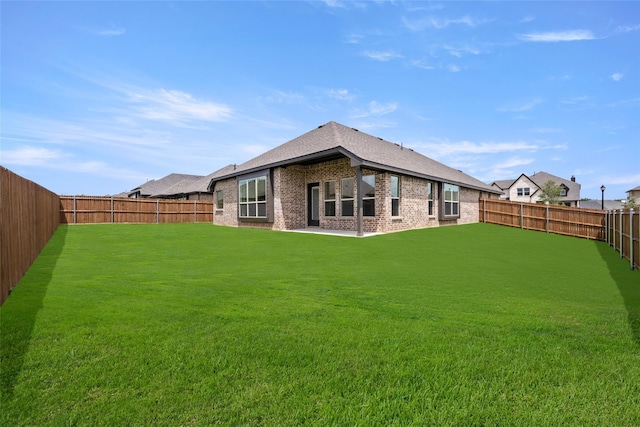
x,y
193,324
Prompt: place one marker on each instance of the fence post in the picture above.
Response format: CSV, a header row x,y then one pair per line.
x,y
631,238
74,209
157,211
484,210
606,224
195,211
521,216
547,218
621,234
111,209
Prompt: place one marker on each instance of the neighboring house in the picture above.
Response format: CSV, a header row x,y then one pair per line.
x,y
635,193
527,188
157,187
338,178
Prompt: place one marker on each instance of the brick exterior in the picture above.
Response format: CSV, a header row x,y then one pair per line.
x,y
289,202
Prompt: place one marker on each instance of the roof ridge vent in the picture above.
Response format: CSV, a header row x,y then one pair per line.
x,y
355,129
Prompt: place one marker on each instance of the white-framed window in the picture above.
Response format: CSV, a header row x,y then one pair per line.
x,y
253,197
346,197
395,195
330,198
526,191
369,195
563,191
430,198
451,194
219,199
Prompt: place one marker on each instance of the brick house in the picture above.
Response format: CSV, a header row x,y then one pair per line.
x,y
338,178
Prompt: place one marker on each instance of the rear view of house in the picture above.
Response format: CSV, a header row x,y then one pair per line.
x,y
338,178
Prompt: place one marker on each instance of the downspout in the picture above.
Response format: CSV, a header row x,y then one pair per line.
x,y
360,211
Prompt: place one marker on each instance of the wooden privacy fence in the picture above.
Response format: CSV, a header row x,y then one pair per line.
x,y
29,217
623,233
621,229
118,210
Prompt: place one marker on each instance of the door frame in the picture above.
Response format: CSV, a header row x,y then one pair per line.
x,y
311,222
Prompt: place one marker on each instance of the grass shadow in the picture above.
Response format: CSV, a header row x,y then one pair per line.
x,y
19,312
628,283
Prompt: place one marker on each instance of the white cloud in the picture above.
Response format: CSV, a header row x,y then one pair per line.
x,y
558,36
616,77
527,19
382,56
520,106
176,106
30,156
453,68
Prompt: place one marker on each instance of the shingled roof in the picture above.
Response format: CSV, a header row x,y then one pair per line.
x,y
161,186
333,140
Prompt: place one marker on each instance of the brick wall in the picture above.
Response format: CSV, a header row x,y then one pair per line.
x,y
290,200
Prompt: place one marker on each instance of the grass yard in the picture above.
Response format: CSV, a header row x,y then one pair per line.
x,y
193,324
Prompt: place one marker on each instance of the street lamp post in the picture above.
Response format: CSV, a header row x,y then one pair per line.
x,y
602,189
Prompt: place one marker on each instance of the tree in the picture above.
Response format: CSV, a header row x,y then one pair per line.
x,y
550,193
632,203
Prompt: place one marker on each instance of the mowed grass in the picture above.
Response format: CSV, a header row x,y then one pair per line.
x,y
193,324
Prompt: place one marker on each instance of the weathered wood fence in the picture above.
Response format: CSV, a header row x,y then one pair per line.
x,y
28,217
621,228
623,233
119,210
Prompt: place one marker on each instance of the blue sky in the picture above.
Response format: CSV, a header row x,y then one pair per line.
x,y
98,97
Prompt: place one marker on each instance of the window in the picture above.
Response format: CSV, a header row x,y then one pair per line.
x,y
330,198
430,198
346,197
395,195
369,195
451,200
253,197
526,191
563,191
219,200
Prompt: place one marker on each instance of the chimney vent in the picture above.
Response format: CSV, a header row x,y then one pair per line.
x,y
573,178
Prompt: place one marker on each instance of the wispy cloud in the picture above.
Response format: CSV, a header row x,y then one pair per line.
x,y
527,19
440,23
382,56
628,28
460,51
520,106
111,31
616,77
375,108
30,156
341,94
175,106
558,36
445,147
354,38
